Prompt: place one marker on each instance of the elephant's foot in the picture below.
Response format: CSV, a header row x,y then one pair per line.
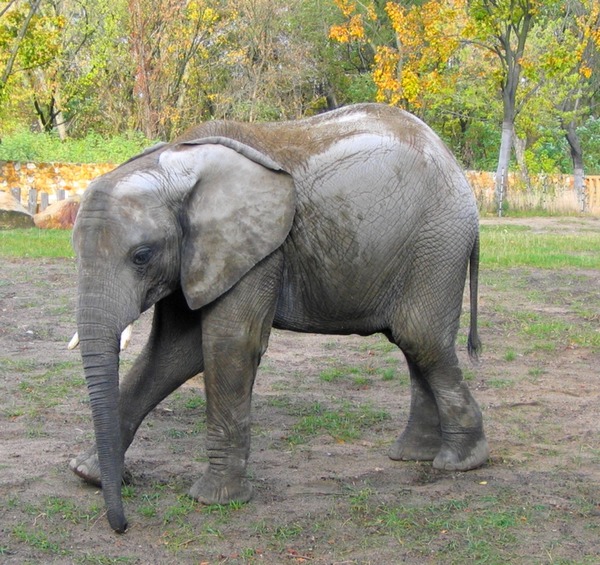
x,y
214,488
87,467
462,452
416,445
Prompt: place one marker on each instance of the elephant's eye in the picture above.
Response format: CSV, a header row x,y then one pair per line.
x,y
142,256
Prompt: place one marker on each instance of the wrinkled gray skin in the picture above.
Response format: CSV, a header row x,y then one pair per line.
x,y
356,221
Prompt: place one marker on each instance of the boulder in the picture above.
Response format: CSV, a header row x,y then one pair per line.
x,y
12,214
58,216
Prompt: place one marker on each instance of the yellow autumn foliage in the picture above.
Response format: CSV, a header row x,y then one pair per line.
x,y
351,30
426,36
385,75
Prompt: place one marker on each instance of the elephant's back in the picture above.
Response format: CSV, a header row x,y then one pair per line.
x,y
294,143
365,157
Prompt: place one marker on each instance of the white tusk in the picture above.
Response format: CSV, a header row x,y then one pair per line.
x,y
74,341
126,336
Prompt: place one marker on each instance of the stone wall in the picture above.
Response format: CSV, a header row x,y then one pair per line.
x,y
48,178
55,181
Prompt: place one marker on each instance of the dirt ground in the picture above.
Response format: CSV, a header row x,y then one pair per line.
x,y
323,494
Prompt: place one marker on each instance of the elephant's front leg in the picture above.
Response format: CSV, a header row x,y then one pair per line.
x,y
228,378
236,330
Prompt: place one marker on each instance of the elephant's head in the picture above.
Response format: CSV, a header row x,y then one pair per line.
x,y
196,215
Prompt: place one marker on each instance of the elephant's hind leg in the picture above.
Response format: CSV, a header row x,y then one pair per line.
x,y
445,423
464,445
422,437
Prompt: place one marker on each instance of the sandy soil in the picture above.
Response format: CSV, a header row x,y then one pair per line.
x,y
329,497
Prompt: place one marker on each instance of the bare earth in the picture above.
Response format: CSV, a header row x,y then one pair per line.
x,y
320,496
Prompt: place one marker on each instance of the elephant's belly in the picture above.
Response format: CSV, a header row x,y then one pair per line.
x,y
333,312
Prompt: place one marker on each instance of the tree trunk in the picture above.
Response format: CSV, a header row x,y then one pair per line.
x,y
578,170
60,122
141,90
503,162
519,146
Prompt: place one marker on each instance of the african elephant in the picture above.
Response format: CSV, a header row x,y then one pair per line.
x,y
356,221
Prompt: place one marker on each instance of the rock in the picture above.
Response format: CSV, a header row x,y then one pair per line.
x,y
60,215
12,214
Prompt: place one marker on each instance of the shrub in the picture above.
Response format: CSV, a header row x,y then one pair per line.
x,y
93,148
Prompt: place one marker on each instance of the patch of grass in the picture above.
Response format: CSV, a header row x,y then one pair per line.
x,y
387,374
195,402
586,337
500,383
545,329
344,423
513,246
360,501
471,530
536,372
182,508
36,243
338,373
469,374
546,333
19,366
361,381
221,513
51,387
35,537
180,538
90,559
287,532
331,375
128,492
149,502
378,344
70,511
181,533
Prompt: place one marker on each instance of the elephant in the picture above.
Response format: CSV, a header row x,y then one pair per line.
x,y
354,221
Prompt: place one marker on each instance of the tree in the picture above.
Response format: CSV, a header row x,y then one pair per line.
x,y
558,67
419,67
502,27
15,26
30,42
276,62
582,23
167,39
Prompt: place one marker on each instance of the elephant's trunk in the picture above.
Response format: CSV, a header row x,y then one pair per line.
x,y
99,340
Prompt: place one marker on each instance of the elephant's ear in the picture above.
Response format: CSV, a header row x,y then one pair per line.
x,y
240,210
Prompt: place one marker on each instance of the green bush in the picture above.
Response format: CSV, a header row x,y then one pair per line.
x,y
93,148
589,135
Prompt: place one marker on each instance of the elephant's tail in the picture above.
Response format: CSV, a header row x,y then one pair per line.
x,y
474,343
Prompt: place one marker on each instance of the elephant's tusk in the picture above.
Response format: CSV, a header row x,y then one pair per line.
x,y
125,338
74,341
